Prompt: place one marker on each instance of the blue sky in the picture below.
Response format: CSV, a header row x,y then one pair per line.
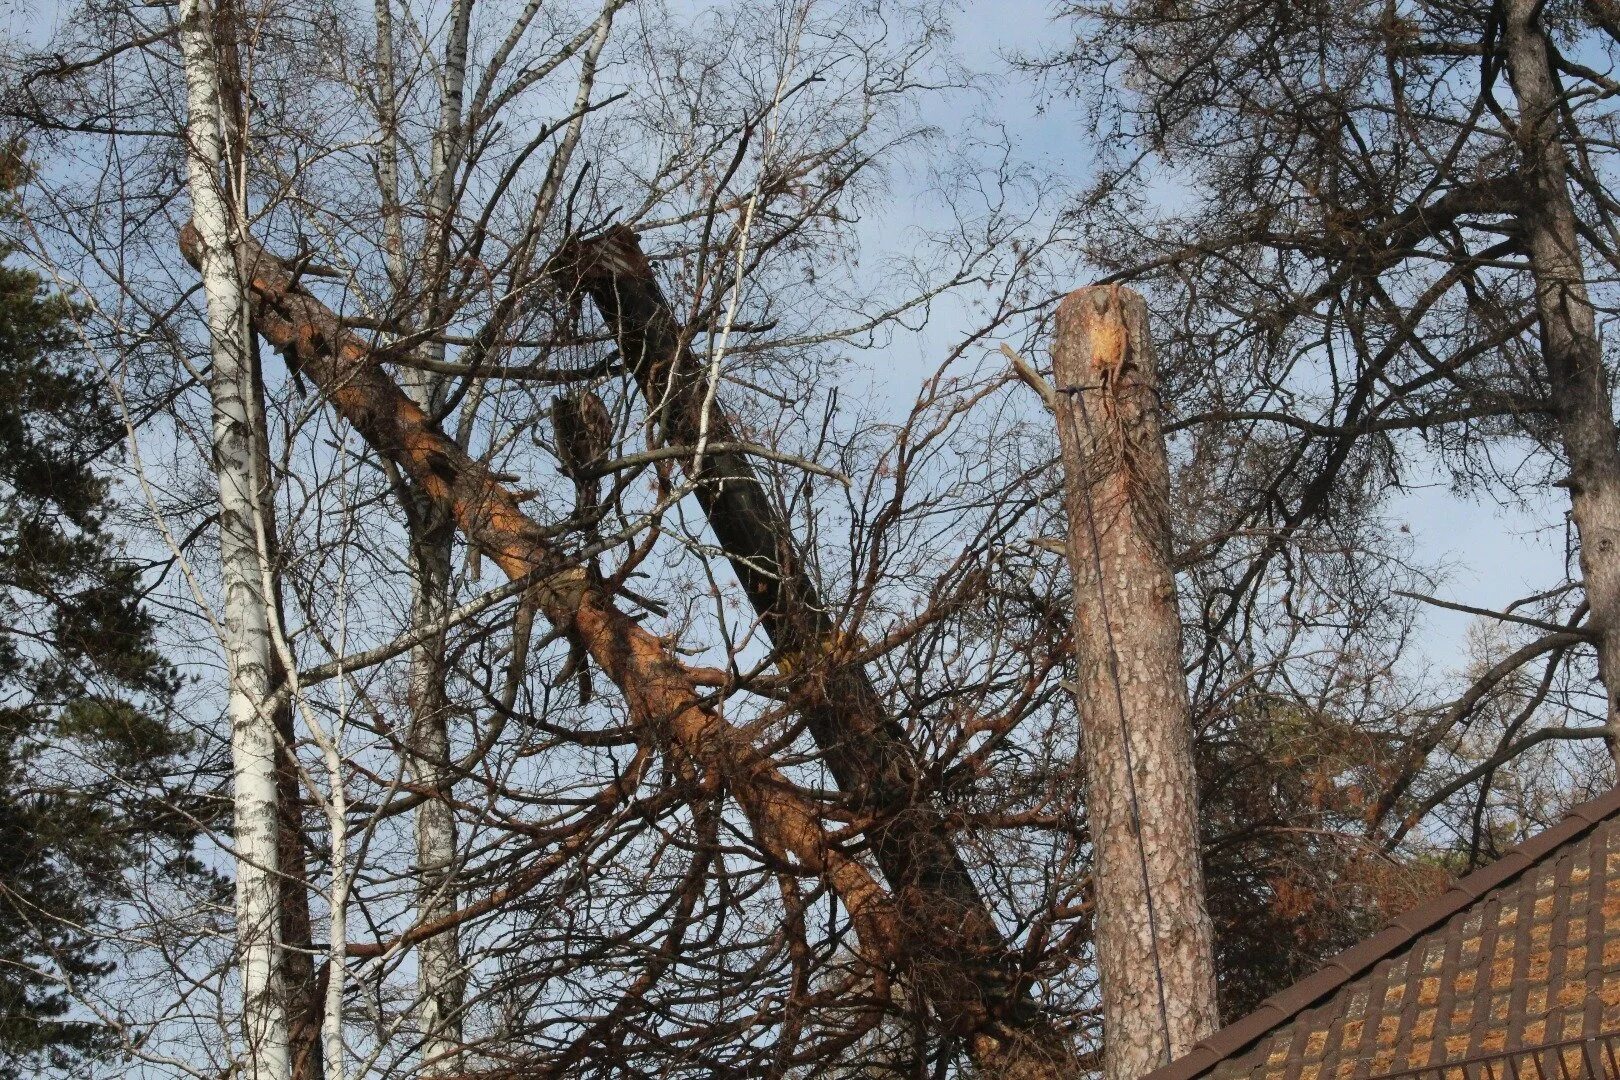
x,y
1493,554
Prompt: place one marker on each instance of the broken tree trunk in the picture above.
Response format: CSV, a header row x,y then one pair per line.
x,y
663,694
959,960
1571,352
1153,934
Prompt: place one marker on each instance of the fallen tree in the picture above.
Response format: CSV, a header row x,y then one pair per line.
x,y
962,964
667,698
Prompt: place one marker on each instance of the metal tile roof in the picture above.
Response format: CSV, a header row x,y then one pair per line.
x,y
1523,954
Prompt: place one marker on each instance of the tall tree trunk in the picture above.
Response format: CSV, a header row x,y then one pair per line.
x,y
962,965
299,975
249,651
439,982
298,968
444,157
438,959
1154,940
1570,349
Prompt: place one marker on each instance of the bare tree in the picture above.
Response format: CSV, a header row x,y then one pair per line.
x,y
818,810
1370,284
482,285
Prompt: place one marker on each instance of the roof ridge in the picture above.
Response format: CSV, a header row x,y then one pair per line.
x,y
1353,962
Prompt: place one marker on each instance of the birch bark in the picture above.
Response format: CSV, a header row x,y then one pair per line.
x,y
439,977
441,982
249,650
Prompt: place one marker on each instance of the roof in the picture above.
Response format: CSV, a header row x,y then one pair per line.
x,y
1522,953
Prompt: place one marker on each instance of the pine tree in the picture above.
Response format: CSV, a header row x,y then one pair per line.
x,y
84,749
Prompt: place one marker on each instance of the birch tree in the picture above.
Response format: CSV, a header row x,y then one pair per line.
x,y
245,621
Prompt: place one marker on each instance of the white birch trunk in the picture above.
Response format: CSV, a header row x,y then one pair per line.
x,y
447,142
247,641
388,148
439,974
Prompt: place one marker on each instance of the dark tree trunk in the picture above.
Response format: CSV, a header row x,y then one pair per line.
x,y
304,987
1571,351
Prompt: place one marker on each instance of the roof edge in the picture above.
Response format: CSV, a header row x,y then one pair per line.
x,y
1351,963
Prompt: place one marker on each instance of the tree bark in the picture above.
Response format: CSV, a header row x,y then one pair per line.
x,y
299,975
440,980
440,983
249,650
662,693
1153,935
961,963
445,157
1570,349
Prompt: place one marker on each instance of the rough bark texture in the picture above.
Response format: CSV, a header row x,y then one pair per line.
x,y
958,959
662,693
299,974
249,651
440,979
1570,348
1153,935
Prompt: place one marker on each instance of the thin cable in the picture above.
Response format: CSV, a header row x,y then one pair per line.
x,y
1077,394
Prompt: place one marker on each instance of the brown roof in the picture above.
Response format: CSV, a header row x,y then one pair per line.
x,y
1523,953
